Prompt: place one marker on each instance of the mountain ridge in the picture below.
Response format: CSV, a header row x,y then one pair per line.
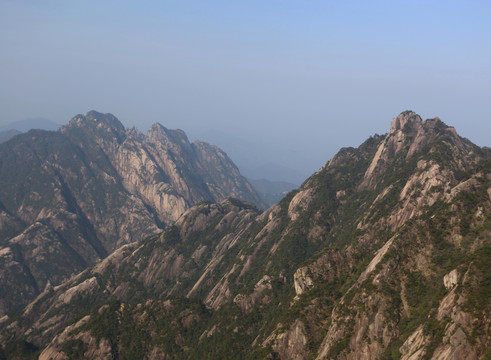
x,y
380,264
79,193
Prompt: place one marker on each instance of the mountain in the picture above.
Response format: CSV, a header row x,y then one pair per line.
x,y
381,254
259,158
8,134
272,192
17,127
71,197
274,172
29,124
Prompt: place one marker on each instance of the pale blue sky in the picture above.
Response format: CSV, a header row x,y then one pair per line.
x,y
296,80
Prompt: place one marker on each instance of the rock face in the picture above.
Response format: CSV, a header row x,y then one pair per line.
x,y
409,135
291,344
69,198
383,253
302,281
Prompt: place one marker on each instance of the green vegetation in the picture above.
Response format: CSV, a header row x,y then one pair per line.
x,y
132,331
338,229
19,349
479,292
74,349
342,343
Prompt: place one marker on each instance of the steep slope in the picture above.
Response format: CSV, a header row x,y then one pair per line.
x,y
69,198
381,254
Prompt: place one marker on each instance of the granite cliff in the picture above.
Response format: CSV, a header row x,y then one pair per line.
x,y
381,254
71,197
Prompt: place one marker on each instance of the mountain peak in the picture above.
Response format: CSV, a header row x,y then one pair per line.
x,y
158,132
135,133
97,126
100,117
408,136
406,121
337,272
95,118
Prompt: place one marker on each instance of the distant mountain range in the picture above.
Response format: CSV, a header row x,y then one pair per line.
x,y
68,198
10,130
382,254
272,192
271,174
8,134
255,159
274,173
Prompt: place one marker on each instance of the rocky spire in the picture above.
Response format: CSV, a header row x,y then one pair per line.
x,y
408,134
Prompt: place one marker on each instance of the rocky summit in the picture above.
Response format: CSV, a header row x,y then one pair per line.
x,y
382,254
71,197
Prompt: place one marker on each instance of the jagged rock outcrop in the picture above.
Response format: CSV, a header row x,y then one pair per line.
x,y
173,264
302,281
409,135
260,295
69,198
291,344
362,262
